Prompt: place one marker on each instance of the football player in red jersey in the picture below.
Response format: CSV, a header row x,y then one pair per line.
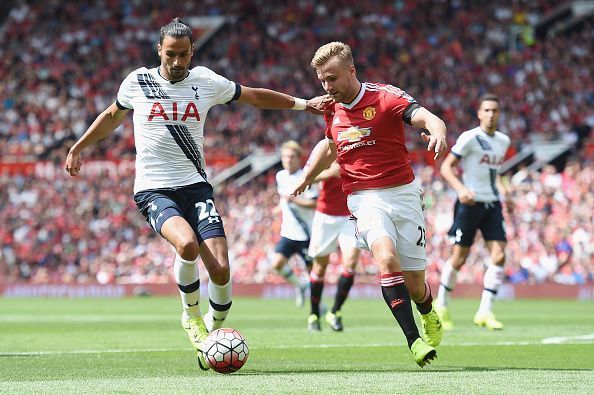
x,y
365,134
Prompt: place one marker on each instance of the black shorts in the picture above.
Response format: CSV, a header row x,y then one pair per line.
x,y
488,217
195,203
288,247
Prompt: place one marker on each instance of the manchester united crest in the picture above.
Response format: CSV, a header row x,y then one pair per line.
x,y
369,113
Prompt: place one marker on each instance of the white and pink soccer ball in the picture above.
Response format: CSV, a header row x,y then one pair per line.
x,y
226,350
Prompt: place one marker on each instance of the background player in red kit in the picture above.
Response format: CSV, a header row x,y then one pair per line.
x,y
365,134
331,228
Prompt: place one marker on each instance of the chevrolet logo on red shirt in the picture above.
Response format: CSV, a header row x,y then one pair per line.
x,y
354,134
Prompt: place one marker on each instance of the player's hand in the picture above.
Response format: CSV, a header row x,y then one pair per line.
x,y
466,196
73,163
509,205
303,186
318,104
437,143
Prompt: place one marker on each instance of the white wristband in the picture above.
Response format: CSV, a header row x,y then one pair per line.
x,y
300,104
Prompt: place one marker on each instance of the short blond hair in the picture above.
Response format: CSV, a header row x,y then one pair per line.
x,y
335,49
292,145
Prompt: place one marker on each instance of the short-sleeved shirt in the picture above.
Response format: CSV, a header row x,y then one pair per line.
x,y
169,122
481,156
296,223
369,138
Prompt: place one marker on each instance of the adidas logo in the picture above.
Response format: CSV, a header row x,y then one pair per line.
x,y
396,302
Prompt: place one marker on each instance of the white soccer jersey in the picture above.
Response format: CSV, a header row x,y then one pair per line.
x,y
481,156
296,223
169,123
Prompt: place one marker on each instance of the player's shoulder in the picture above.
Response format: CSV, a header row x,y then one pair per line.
x,y
388,92
281,174
384,89
202,72
468,135
502,136
134,73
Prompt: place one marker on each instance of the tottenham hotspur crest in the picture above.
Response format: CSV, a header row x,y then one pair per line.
x,y
195,89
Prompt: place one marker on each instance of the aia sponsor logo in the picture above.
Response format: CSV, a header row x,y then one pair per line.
x,y
491,160
171,112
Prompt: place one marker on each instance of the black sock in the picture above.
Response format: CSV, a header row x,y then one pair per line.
x,y
315,288
425,306
398,300
342,290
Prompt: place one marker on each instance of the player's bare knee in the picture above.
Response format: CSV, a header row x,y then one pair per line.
x,y
387,263
187,248
498,259
319,270
415,291
220,275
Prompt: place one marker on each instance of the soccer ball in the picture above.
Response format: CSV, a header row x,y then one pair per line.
x,y
226,350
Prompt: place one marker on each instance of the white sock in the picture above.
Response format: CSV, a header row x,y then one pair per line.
x,y
491,282
449,275
290,276
188,281
220,295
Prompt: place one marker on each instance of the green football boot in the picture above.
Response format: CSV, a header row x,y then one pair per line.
x,y
487,320
197,333
313,323
432,328
335,321
444,316
422,352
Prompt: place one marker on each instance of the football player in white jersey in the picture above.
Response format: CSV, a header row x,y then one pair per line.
x,y
170,104
297,215
480,152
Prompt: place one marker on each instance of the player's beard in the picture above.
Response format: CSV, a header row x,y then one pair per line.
x,y
177,73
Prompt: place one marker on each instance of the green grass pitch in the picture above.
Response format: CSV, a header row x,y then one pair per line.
x,y
137,345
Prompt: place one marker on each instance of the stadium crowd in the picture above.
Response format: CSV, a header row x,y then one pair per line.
x,y
61,63
88,230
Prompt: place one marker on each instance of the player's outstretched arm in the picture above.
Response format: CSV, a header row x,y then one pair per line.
x,y
320,160
103,125
269,99
437,142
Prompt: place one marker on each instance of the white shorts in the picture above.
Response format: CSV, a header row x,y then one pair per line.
x,y
394,212
329,231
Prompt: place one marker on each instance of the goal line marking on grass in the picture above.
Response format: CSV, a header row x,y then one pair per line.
x,y
547,341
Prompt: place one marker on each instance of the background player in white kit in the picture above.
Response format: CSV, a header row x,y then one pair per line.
x,y
480,152
297,215
332,226
170,104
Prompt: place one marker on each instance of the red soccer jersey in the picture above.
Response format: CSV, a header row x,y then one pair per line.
x,y
369,138
332,200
